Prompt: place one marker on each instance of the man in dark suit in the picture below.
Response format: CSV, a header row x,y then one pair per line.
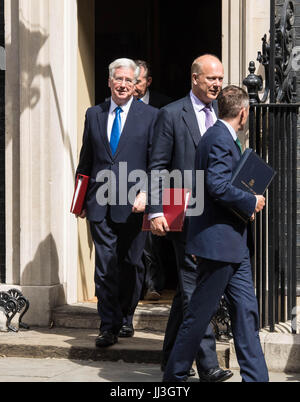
x,y
158,253
116,141
143,90
219,239
177,133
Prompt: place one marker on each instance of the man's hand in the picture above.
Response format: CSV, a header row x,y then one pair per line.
x,y
252,217
261,202
139,203
82,215
159,226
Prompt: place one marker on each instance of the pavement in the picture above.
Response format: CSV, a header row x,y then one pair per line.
x,y
19,369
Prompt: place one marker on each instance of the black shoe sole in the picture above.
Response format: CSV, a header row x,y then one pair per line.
x,y
225,377
125,335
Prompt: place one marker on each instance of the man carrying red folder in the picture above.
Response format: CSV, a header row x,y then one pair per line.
x,y
179,128
117,134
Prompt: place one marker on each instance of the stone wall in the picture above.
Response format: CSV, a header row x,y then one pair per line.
x,y
2,153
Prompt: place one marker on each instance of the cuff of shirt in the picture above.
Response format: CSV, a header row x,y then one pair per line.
x,y
156,215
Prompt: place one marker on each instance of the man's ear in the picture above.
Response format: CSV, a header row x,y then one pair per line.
x,y
242,115
149,81
194,78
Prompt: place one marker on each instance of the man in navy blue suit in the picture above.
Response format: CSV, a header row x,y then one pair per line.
x,y
219,240
178,130
116,142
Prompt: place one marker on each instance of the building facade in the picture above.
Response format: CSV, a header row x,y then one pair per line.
x,y
57,53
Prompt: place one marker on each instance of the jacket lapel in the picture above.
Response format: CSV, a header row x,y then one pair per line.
x,y
191,120
102,116
128,127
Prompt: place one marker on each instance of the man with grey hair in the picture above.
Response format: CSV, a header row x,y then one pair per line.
x,y
117,133
219,240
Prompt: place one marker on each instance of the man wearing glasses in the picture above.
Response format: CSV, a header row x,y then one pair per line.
x,y
116,140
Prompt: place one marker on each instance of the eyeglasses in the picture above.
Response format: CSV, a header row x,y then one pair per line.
x,y
128,82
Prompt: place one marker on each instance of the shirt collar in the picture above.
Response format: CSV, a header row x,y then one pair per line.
x,y
197,103
230,128
124,107
146,97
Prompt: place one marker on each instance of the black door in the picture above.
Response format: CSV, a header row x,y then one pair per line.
x,y
167,35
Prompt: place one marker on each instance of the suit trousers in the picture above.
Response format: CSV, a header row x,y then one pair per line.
x,y
214,280
206,357
119,271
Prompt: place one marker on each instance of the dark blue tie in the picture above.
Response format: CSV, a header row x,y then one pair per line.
x,y
116,131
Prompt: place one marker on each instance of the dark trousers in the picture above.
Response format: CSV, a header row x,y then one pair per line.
x,y
214,280
205,352
119,271
158,259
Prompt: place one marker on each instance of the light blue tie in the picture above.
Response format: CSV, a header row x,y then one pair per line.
x,y
116,131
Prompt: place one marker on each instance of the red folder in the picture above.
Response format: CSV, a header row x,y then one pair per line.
x,y
81,185
175,202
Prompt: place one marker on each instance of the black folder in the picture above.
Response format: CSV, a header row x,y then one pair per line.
x,y
253,174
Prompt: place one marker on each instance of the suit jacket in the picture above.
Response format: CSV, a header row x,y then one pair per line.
x,y
218,234
95,155
175,141
158,100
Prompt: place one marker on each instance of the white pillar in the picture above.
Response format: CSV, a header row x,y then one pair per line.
x,y
244,24
42,234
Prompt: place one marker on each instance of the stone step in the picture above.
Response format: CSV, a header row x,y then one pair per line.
x,y
147,316
79,344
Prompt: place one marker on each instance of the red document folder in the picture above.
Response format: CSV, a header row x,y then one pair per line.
x,y
81,185
175,202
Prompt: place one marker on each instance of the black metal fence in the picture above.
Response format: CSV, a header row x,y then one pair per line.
x,y
273,135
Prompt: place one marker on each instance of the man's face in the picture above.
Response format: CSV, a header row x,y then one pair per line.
x,y
208,84
142,84
122,85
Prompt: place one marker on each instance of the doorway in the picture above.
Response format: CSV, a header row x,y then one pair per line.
x,y
169,37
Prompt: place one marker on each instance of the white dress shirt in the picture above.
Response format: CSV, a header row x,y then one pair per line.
x,y
112,115
146,97
200,114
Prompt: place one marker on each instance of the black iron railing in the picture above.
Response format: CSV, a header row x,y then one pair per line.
x,y
273,135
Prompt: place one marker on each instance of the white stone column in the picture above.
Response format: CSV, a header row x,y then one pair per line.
x,y
244,24
44,263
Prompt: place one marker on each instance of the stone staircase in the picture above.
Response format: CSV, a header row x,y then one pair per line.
x,y
150,322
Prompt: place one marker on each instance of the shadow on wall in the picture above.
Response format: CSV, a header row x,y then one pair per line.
x,y
45,265
25,77
31,68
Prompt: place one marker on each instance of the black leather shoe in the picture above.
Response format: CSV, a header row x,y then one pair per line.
x,y
215,375
191,373
126,331
106,338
